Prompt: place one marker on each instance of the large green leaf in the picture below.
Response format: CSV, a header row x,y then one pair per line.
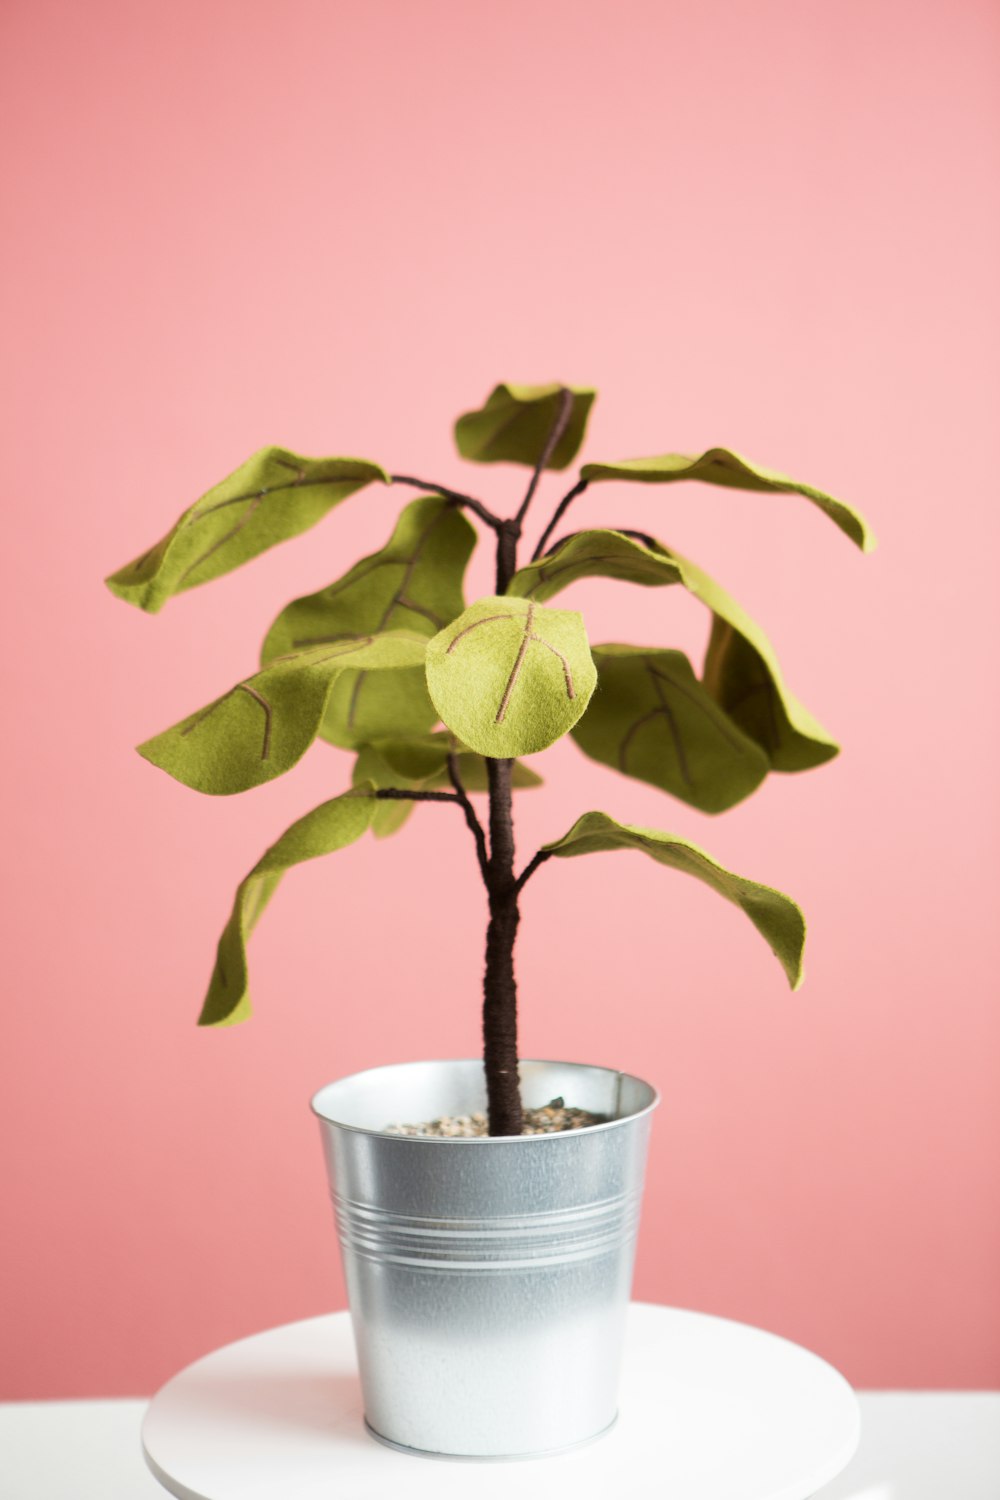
x,y
273,496
514,425
775,916
263,725
651,718
721,466
740,671
332,826
509,676
414,583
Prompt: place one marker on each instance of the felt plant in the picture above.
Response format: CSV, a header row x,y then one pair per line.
x,y
375,661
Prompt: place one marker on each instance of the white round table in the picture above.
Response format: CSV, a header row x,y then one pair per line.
x,y
710,1410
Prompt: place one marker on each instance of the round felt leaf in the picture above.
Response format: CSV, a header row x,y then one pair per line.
x,y
509,676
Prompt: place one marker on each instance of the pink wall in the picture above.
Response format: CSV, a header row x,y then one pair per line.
x,y
334,226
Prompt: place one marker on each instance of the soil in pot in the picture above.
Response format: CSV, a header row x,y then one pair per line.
x,y
550,1119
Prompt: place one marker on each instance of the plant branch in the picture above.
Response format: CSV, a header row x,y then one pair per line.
x,y
557,516
457,498
530,868
396,794
470,817
507,536
563,414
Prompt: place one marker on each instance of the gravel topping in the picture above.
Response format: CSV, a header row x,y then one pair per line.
x,y
553,1117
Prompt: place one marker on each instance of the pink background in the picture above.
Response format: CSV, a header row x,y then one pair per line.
x,y
334,226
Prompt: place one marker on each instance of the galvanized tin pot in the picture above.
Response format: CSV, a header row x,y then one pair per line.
x,y
487,1278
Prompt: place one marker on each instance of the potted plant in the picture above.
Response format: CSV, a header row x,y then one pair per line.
x,y
487,1210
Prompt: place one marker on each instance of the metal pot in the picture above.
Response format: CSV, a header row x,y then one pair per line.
x,y
487,1278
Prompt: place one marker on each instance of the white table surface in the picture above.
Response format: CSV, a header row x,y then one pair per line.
x,y
914,1446
711,1410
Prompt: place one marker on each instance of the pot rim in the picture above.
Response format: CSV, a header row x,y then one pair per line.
x,y
486,1140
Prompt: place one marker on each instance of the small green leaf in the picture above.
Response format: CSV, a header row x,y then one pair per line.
x,y
651,718
424,759
414,583
509,677
264,725
596,554
329,827
740,671
514,425
370,768
420,762
273,496
721,466
775,916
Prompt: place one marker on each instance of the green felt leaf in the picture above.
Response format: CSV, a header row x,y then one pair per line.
x,y
740,671
776,917
362,707
722,466
509,676
424,759
265,724
273,496
515,423
371,769
596,554
332,826
420,762
742,674
414,583
651,718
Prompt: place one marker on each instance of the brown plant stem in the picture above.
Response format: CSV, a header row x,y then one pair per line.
x,y
557,515
397,794
507,539
500,1055
476,828
563,413
503,1091
469,502
530,868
